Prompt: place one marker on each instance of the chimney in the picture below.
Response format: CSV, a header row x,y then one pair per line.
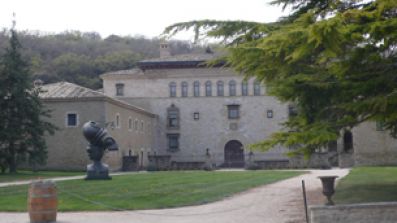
x,y
38,83
164,50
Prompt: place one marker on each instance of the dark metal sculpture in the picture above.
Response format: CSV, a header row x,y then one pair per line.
x,y
328,183
99,141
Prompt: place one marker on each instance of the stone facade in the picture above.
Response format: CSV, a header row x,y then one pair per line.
x,y
203,121
373,146
67,147
178,108
384,212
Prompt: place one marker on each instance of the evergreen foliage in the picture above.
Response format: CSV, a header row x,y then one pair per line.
x,y
334,60
22,127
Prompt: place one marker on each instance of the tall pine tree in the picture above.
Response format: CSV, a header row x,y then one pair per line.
x,y
22,124
335,60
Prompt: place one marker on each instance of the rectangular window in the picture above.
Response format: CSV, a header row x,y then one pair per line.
x,y
117,121
380,126
173,142
292,111
233,111
196,116
269,113
71,120
119,89
129,123
173,119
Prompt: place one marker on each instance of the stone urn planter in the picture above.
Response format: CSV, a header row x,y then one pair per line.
x,y
328,183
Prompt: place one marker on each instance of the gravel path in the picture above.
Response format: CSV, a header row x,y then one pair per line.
x,y
279,202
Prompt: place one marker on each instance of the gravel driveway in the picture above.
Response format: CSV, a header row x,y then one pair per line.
x,y
280,202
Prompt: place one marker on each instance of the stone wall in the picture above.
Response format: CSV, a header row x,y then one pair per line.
x,y
373,147
135,139
385,212
213,129
67,147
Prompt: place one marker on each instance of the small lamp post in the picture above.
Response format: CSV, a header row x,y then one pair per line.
x,y
328,183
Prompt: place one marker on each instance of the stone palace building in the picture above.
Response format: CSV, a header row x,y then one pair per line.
x,y
174,112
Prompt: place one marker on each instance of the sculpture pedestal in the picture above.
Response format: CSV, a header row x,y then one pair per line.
x,y
97,171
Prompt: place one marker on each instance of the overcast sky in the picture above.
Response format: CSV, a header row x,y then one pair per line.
x,y
127,17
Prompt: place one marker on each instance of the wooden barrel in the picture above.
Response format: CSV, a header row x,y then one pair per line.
x,y
42,202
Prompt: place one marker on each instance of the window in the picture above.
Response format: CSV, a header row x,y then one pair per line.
x,y
172,89
233,111
292,111
269,113
117,121
136,125
232,88
380,126
208,88
196,116
129,123
71,120
173,142
257,88
196,89
244,88
119,89
219,88
141,125
173,117
184,89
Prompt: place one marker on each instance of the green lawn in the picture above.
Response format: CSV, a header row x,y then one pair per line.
x,y
368,184
147,191
29,175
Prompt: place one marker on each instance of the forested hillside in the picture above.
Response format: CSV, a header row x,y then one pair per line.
x,y
81,57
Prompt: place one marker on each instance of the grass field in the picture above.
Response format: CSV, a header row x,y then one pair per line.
x,y
29,175
147,191
367,184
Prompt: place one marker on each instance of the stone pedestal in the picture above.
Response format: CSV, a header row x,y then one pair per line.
x,y
98,171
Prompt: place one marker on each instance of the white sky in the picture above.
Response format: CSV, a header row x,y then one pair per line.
x,y
127,17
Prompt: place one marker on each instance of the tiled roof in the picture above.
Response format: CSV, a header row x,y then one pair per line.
x,y
184,57
62,91
125,72
67,90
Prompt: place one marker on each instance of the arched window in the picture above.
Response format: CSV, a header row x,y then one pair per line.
x,y
232,88
208,88
172,89
129,123
257,88
196,89
244,88
219,88
184,89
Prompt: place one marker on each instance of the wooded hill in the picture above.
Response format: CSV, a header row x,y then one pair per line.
x,y
80,58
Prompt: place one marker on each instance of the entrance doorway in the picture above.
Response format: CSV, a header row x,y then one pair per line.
x,y
234,154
